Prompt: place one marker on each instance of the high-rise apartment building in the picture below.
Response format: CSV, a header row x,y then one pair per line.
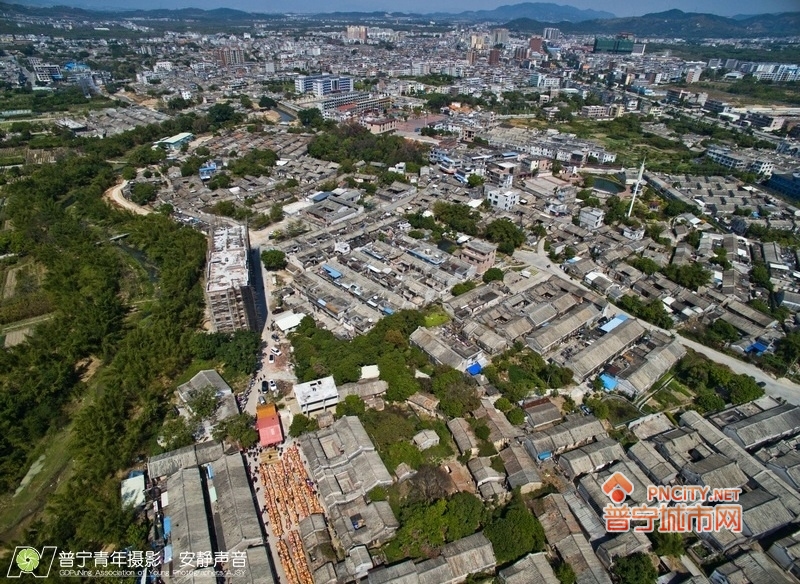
x,y
472,57
535,44
477,41
357,33
228,289
494,57
230,56
551,34
520,54
693,75
500,36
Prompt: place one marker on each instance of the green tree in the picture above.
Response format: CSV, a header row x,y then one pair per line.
x,y
462,288
266,102
238,429
503,405
516,416
273,259
203,403
176,433
505,234
302,424
565,573
352,405
463,517
475,180
667,544
635,569
220,114
310,117
515,533
129,173
143,193
456,393
493,274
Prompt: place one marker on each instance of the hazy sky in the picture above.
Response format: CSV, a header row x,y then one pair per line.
x,y
618,7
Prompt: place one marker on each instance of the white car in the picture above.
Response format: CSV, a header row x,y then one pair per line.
x,y
271,358
275,351
272,385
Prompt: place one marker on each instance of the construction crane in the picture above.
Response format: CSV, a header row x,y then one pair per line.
x,y
636,187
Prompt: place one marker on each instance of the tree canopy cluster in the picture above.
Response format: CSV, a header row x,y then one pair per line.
x,y
518,371
353,142
238,351
60,214
707,378
692,275
317,353
653,311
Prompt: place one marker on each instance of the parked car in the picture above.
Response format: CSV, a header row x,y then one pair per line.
x,y
275,351
272,385
275,337
263,386
271,358
586,411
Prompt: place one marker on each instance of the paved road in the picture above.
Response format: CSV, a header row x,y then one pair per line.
x,y
782,388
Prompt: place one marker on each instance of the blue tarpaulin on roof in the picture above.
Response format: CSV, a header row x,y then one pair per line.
x,y
474,369
167,526
757,347
609,383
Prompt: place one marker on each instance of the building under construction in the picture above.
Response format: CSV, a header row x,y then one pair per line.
x,y
228,288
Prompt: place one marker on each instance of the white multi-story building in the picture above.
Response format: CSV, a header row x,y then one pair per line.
x,y
592,218
322,84
503,199
545,81
316,395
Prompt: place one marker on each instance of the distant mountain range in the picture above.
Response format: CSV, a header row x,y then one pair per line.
x,y
540,11
675,23
529,17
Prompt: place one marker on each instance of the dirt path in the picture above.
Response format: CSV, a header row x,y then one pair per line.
x,y
114,196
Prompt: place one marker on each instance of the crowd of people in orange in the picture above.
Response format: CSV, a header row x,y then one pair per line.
x,y
289,497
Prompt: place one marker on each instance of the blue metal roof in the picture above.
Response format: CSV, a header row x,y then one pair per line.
x,y
333,273
167,525
474,369
757,347
614,323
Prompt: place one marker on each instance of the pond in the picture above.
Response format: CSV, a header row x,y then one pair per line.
x,y
285,116
607,186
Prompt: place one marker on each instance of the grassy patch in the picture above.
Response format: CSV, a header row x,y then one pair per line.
x,y
16,513
620,411
436,318
666,398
